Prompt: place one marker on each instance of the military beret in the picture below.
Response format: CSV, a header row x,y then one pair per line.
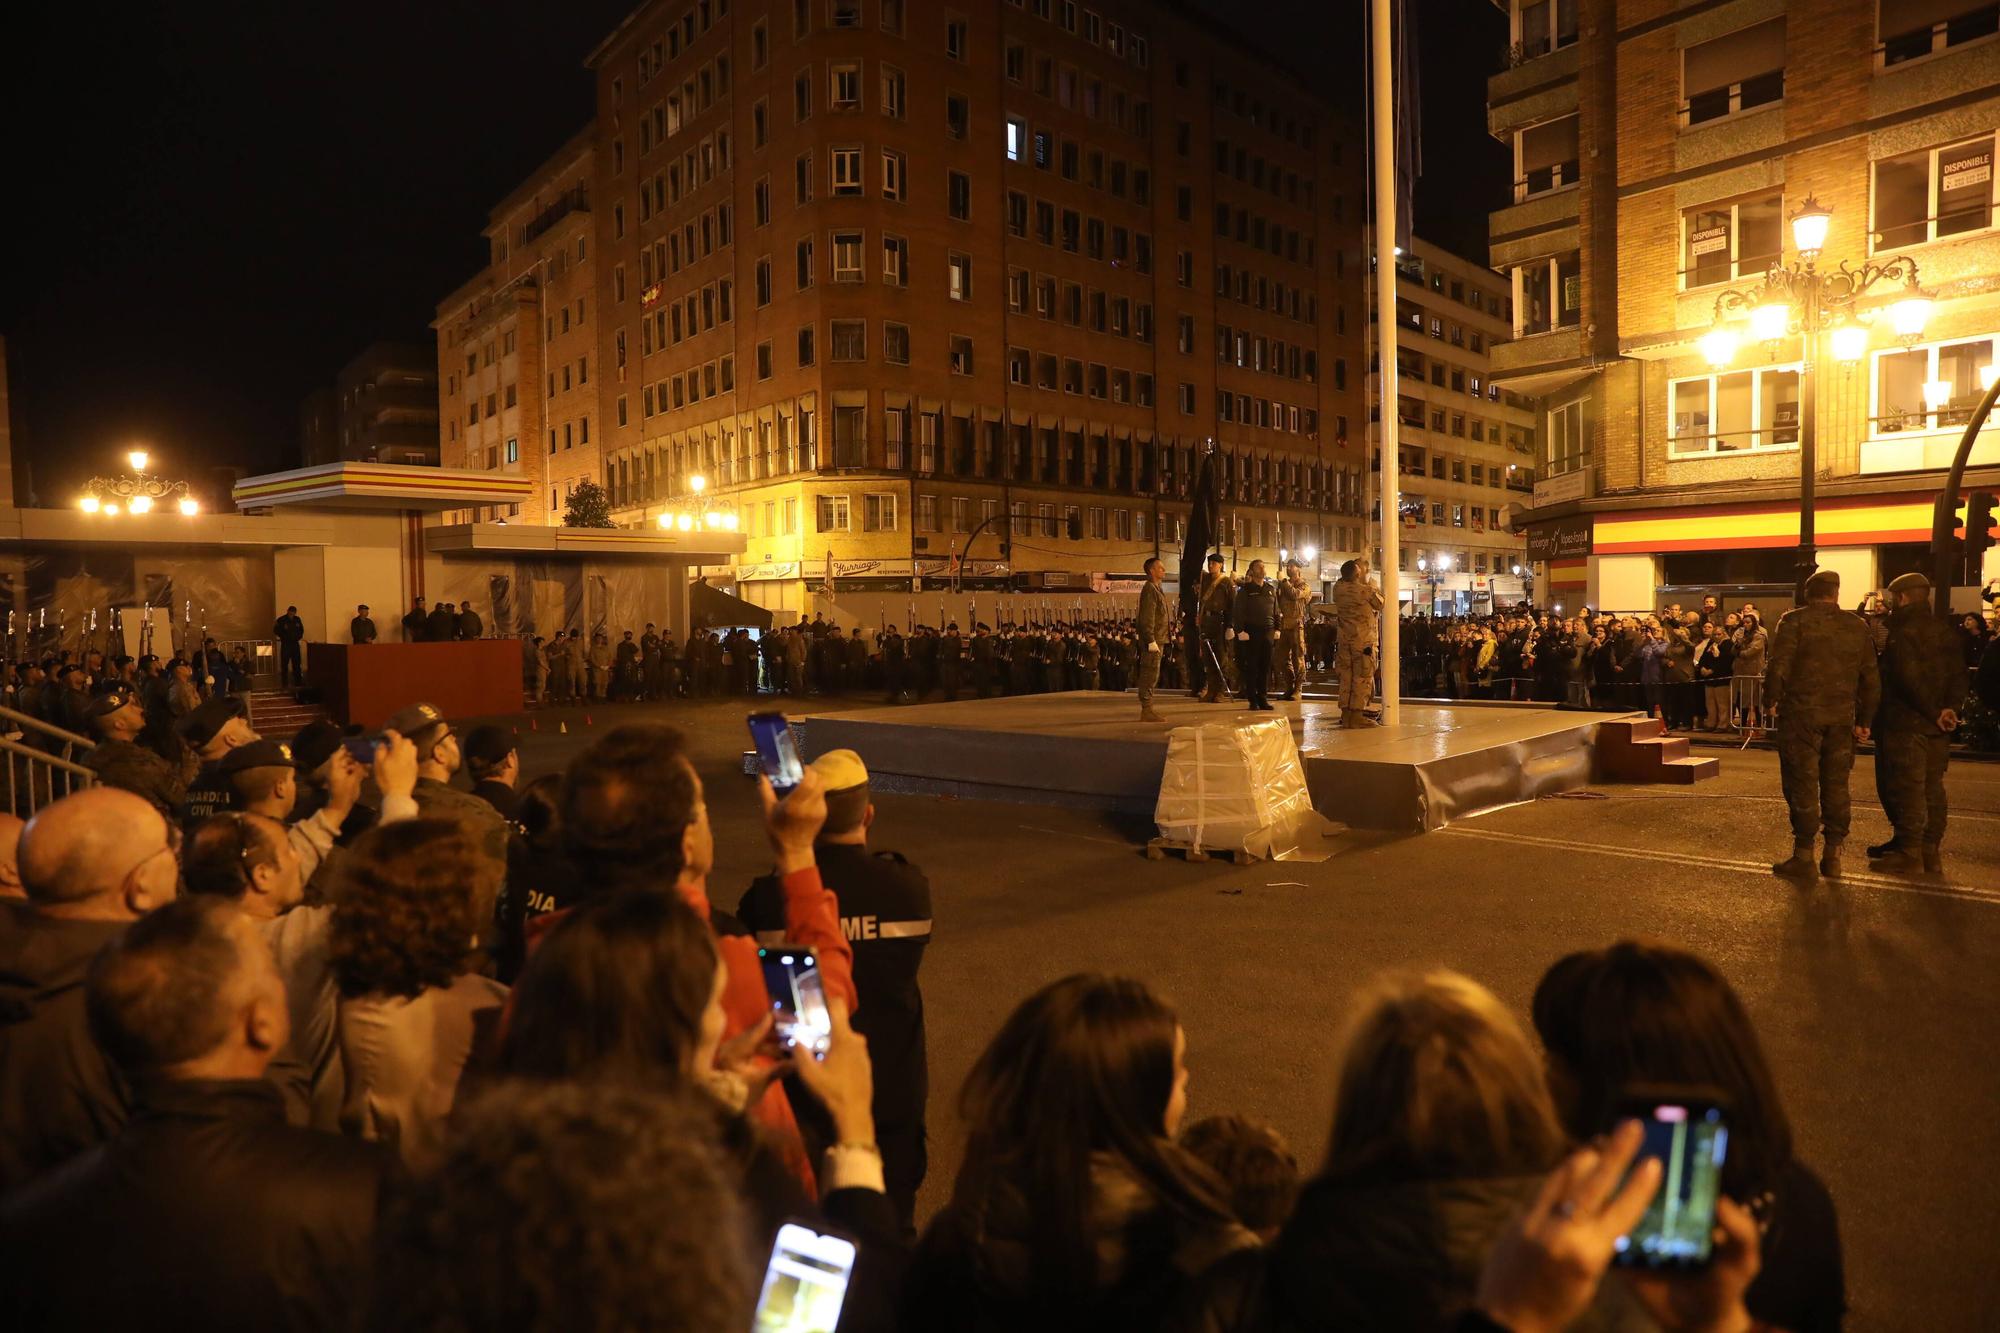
x,y
257,754
1909,583
1824,583
198,728
110,701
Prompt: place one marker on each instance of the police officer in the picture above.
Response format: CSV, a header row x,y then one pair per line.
x,y
469,625
1216,595
1924,682
885,913
1254,617
416,623
1821,682
1293,599
290,632
1152,635
361,629
212,731
120,761
1356,606
442,626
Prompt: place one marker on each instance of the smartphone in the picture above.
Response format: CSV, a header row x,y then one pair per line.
x,y
1689,1133
799,1016
362,748
778,750
806,1281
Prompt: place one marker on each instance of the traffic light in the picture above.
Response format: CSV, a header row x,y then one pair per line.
x,y
1978,537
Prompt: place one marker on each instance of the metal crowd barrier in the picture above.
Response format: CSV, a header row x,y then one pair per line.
x,y
42,765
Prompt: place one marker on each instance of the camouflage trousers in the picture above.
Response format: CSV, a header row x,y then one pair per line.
x,y
1289,670
1814,762
1357,675
1909,777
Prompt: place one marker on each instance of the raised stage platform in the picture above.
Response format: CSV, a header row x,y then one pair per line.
x,y
1087,748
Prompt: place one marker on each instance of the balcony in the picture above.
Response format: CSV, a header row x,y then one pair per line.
x,y
1549,208
569,201
1531,67
1522,356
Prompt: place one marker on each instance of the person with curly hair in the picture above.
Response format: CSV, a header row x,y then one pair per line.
x,y
407,913
582,1206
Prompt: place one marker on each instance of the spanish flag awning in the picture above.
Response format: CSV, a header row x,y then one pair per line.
x,y
1861,521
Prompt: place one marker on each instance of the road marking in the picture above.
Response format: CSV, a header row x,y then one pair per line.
x,y
1081,837
1976,816
1758,869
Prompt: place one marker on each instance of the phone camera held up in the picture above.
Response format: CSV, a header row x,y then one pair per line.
x,y
799,1016
1688,1131
777,751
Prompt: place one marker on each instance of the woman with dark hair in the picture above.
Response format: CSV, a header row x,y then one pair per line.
x,y
1650,1014
407,913
1443,1130
1074,1208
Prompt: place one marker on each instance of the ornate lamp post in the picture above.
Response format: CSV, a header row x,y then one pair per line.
x,y
1801,299
134,492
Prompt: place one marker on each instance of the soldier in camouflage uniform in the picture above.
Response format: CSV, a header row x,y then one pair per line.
x,y
1152,636
1924,683
1822,684
1356,605
1217,595
1293,599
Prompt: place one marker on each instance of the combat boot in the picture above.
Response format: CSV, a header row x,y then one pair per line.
x,y
1800,866
1148,715
1933,859
1829,861
1900,862
1878,850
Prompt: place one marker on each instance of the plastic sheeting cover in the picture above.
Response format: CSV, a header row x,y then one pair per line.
x,y
1240,786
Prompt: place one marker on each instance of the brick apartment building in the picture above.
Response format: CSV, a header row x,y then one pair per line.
x,y
382,408
877,272
1467,445
1661,151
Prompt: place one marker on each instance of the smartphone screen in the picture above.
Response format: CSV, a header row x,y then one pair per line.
x,y
799,1014
805,1282
1691,1139
778,750
362,748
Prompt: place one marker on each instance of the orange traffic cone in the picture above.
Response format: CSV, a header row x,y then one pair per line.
x,y
564,726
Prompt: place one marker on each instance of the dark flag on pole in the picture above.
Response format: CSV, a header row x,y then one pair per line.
x,y
1201,532
1409,123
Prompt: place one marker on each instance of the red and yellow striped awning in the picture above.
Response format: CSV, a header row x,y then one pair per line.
x,y
1862,521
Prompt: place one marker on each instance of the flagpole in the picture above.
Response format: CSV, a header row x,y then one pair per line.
x,y
1384,269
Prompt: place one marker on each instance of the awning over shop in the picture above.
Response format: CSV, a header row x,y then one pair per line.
x,y
712,608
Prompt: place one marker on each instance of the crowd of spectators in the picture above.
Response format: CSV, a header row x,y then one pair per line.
x,y
385,1033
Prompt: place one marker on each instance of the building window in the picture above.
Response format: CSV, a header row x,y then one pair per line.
x,y
1721,242
961,513
844,86
846,171
804,263
802,179
1545,157
878,513
957,115
805,345
1912,29
1935,387
961,354
959,270
895,261
1933,193
1734,72
831,513
847,256
763,279
895,175
896,344
1542,26
1568,450
927,513
1548,294
802,95
850,339
954,37
958,195
1733,413
895,92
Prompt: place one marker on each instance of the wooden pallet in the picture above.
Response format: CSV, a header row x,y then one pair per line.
x,y
1158,848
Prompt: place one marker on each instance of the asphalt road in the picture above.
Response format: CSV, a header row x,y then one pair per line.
x,y
1875,997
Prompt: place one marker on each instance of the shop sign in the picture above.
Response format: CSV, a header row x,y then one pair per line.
x,y
1565,539
787,569
1562,488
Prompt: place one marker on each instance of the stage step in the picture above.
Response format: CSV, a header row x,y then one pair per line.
x,y
1638,750
277,714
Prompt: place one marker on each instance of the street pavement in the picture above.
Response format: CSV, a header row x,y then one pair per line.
x,y
1875,997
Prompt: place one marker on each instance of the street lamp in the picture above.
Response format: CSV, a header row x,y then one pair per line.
x,y
134,492
697,512
1800,299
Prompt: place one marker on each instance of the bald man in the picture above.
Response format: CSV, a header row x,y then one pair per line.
x,y
91,864
10,868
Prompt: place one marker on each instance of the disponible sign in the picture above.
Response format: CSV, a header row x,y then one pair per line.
x,y
1563,540
1965,171
1708,240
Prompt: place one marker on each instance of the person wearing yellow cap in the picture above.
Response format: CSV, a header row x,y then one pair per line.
x,y
885,914
1924,684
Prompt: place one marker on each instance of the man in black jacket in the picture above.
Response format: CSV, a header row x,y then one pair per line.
x,y
1924,685
1254,616
417,622
243,1220
91,864
442,627
290,632
361,629
885,913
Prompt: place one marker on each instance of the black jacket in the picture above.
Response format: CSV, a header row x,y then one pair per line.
x,y
442,625
290,629
228,1217
361,629
416,626
58,1094
1255,608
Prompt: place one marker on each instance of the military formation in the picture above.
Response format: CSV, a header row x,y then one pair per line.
x,y
1829,688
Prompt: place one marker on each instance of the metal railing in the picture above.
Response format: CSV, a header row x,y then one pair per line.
x,y
41,762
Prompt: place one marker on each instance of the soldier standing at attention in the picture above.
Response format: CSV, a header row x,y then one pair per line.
x,y
361,629
1821,683
1924,682
1293,599
1152,636
1356,605
1217,592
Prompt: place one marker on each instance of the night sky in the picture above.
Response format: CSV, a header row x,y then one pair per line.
x,y
216,205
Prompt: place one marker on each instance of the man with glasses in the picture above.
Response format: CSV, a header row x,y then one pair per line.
x,y
91,864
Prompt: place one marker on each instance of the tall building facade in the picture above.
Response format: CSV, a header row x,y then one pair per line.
x,y
1661,153
893,278
518,344
1466,446
382,408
